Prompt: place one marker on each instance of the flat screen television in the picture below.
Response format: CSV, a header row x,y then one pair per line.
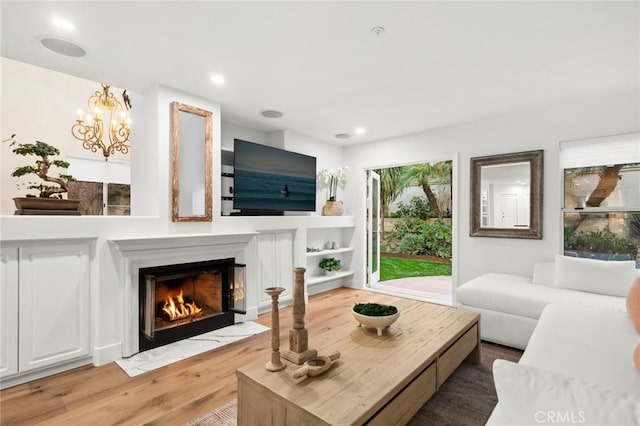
x,y
268,179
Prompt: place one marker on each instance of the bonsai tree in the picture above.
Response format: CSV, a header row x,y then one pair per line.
x,y
52,186
330,264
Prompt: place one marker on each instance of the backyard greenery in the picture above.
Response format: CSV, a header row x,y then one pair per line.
x,y
416,236
394,267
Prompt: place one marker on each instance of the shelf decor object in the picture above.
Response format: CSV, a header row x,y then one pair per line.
x,y
375,315
49,200
104,111
330,179
316,366
333,208
330,265
276,363
299,351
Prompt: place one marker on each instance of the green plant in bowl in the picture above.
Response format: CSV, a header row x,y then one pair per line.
x,y
374,309
330,264
375,315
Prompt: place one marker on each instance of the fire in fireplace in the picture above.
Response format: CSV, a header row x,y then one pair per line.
x,y
181,301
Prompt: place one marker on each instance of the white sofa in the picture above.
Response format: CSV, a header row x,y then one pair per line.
x,y
577,369
510,305
578,364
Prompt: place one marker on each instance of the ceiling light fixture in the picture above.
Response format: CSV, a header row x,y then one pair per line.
x,y
218,79
342,136
63,47
359,130
107,111
378,31
62,23
271,113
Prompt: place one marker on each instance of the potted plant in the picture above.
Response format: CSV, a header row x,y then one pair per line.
x,y
52,187
330,265
331,178
375,315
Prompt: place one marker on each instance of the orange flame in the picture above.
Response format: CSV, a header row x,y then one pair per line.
x,y
179,309
238,291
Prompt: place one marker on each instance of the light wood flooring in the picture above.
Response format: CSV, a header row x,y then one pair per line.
x,y
171,395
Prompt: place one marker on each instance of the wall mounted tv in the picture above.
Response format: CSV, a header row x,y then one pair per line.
x,y
268,179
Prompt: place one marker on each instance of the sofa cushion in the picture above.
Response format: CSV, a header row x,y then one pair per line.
x,y
533,396
591,345
515,295
633,303
543,273
594,276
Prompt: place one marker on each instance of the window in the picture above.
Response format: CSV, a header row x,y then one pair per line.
x,y
601,202
103,187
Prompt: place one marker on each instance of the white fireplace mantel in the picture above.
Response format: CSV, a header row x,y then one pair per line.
x,y
145,252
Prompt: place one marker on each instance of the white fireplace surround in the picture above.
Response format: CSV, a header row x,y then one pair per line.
x,y
136,253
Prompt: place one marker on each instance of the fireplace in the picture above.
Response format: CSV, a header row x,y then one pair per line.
x,y
181,301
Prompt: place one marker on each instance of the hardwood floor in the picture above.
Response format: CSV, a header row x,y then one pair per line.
x,y
171,395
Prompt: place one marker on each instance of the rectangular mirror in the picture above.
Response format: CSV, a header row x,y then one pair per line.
x,y
191,163
506,195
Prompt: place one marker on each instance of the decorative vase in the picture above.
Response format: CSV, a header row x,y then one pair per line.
x,y
53,206
333,208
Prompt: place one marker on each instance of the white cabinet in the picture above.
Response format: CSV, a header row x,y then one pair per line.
x,y
45,307
275,265
8,311
54,304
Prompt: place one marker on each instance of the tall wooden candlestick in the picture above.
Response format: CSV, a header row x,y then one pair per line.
x,y
299,351
276,363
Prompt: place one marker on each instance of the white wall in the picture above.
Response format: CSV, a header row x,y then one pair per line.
x,y
150,185
232,131
39,104
541,128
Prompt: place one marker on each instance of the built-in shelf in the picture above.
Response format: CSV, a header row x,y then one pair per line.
x,y
329,252
325,278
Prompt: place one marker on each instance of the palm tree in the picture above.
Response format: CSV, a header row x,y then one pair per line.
x,y
390,187
426,174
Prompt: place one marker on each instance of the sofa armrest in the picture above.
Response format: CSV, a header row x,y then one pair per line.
x,y
532,396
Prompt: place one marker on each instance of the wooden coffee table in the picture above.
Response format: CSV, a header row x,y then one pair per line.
x,y
378,380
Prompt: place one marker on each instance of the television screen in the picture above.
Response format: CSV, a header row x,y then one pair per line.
x,y
267,178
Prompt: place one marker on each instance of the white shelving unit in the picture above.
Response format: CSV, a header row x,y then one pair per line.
x,y
341,234
323,279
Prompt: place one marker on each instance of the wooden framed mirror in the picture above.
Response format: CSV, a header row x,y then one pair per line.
x,y
506,195
191,163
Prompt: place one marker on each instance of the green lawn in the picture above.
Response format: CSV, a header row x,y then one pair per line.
x,y
394,267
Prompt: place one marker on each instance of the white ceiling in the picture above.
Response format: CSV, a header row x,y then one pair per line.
x,y
437,63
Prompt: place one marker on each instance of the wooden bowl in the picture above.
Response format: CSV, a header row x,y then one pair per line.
x,y
377,322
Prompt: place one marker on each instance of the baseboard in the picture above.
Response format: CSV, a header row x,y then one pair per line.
x,y
324,286
106,354
47,371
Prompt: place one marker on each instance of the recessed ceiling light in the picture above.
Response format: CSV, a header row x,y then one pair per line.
x,y
359,130
377,30
342,136
218,79
63,47
62,23
271,113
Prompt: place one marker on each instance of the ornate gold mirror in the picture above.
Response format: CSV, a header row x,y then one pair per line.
x,y
191,163
506,195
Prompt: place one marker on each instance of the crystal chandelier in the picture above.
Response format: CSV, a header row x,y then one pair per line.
x,y
104,110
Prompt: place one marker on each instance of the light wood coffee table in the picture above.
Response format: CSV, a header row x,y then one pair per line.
x,y
378,380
